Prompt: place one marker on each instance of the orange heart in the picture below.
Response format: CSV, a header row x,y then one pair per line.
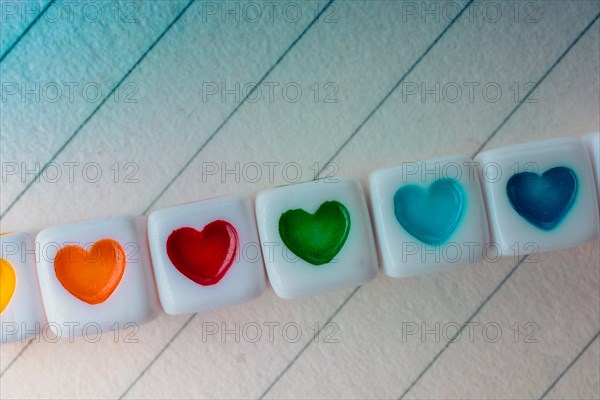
x,y
8,282
93,275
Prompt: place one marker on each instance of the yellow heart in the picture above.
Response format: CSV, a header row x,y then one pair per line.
x,y
8,281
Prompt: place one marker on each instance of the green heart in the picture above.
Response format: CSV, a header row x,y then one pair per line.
x,y
316,238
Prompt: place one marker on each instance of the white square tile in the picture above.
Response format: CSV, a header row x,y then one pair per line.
x,y
21,310
327,241
96,276
429,216
592,141
540,196
206,254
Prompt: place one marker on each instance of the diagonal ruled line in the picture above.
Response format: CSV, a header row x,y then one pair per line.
x,y
241,103
459,331
393,89
537,84
157,356
355,289
95,110
339,150
293,44
577,357
544,76
24,33
137,63
266,74
317,334
17,356
494,132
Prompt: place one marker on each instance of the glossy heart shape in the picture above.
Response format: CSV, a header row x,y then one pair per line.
x,y
316,238
543,200
203,256
92,275
431,215
8,283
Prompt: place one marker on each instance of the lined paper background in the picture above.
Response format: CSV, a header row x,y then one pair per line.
x,y
155,61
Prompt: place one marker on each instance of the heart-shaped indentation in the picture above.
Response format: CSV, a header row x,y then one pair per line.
x,y
543,200
203,256
316,238
92,275
8,282
431,215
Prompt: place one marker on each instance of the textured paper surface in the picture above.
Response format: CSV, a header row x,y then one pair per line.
x,y
362,50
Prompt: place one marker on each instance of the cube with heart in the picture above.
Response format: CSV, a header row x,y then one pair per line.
x,y
206,254
96,276
540,196
429,216
21,310
316,237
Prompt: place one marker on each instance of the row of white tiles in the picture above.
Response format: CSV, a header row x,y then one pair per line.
x,y
428,216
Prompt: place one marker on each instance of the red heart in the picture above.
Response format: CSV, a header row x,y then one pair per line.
x,y
205,256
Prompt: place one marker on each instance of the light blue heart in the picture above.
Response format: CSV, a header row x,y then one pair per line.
x,y
431,215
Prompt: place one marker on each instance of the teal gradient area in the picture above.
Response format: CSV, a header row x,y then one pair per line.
x,y
74,61
15,17
433,214
545,200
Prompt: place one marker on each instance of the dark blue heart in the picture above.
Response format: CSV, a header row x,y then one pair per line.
x,y
543,200
431,215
